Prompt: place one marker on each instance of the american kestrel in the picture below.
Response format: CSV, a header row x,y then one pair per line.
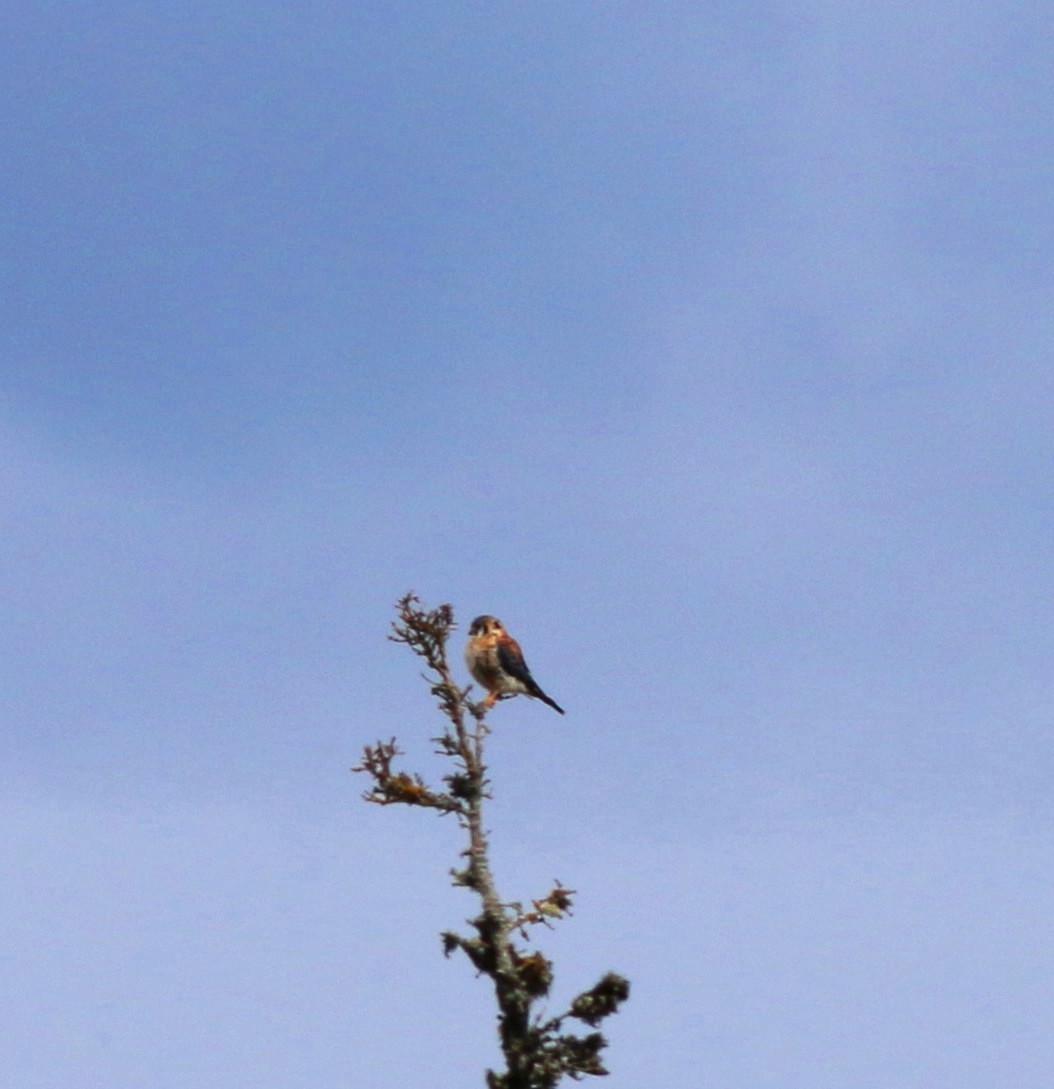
x,y
494,658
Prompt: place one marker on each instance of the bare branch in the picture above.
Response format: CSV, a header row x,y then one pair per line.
x,y
538,1055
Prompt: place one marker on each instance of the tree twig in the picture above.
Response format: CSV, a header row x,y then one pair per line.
x,y
537,1053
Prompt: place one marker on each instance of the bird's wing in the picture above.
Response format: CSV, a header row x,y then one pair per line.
x,y
510,658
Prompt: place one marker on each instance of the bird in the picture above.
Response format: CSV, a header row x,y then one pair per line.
x,y
495,660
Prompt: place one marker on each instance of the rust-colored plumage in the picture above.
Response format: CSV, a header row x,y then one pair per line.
x,y
496,662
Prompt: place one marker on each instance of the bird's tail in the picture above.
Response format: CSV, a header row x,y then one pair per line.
x,y
549,700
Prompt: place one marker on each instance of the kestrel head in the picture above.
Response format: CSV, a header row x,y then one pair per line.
x,y
485,625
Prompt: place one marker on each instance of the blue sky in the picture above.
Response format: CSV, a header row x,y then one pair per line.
x,y
710,349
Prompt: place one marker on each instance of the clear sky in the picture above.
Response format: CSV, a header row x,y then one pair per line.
x,y
710,347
